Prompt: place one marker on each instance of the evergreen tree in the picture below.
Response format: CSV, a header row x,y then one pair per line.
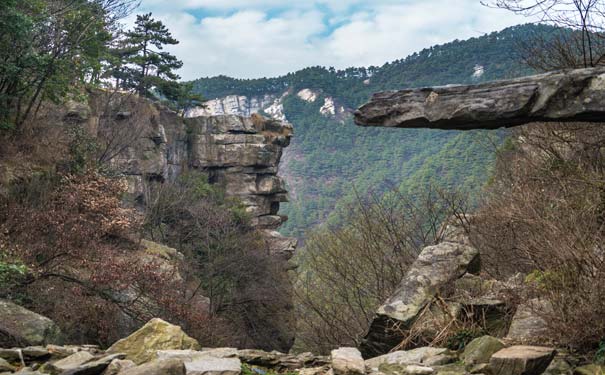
x,y
147,66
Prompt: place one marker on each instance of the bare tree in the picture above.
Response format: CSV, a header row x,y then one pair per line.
x,y
346,273
579,44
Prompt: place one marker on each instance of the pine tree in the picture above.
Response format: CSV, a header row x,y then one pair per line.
x,y
147,66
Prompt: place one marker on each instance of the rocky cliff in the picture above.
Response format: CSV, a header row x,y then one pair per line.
x,y
149,142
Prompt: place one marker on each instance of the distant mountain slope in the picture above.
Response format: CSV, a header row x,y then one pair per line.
x,y
330,158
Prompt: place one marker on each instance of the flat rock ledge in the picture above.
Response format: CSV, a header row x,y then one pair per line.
x,y
563,96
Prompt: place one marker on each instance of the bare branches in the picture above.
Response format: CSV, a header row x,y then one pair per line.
x,y
346,273
580,42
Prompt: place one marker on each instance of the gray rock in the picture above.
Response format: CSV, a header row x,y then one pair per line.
x,y
399,369
559,366
405,357
451,369
20,327
69,363
221,361
481,349
5,366
435,267
571,95
281,361
527,326
95,367
118,365
521,360
347,361
166,367
591,369
214,366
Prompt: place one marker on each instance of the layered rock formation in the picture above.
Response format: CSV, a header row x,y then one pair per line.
x,y
241,154
572,95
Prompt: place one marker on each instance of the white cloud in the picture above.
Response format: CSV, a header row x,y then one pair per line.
x,y
256,38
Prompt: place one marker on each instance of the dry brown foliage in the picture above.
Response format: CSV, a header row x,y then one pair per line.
x,y
544,217
345,273
86,270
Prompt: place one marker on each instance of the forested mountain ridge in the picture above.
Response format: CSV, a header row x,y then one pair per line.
x,y
331,160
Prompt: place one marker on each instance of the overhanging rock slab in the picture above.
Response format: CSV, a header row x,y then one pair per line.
x,y
563,96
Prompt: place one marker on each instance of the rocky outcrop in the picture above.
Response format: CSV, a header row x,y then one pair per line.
x,y
20,327
435,267
571,95
148,142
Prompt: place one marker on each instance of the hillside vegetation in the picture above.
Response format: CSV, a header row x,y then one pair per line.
x,y
332,159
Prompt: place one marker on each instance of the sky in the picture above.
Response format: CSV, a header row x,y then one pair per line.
x,y
268,38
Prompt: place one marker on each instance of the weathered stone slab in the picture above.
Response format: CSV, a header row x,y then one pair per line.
x,y
570,95
435,266
521,360
166,367
527,326
405,357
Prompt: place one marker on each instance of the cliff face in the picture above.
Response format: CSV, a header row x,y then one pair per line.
x,y
242,106
241,154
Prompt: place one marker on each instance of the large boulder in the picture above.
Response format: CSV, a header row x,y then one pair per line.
x,y
571,95
142,345
347,361
21,327
435,267
521,360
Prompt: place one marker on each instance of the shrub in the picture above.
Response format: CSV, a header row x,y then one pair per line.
x,y
86,270
346,272
247,287
544,216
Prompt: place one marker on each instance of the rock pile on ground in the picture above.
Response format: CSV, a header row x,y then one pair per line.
x,y
160,348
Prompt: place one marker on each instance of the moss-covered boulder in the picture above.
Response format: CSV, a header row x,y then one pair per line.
x,y
22,327
142,345
481,349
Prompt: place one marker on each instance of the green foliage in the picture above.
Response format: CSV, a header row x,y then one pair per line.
x,y
82,149
180,96
145,66
49,49
11,273
334,157
600,354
